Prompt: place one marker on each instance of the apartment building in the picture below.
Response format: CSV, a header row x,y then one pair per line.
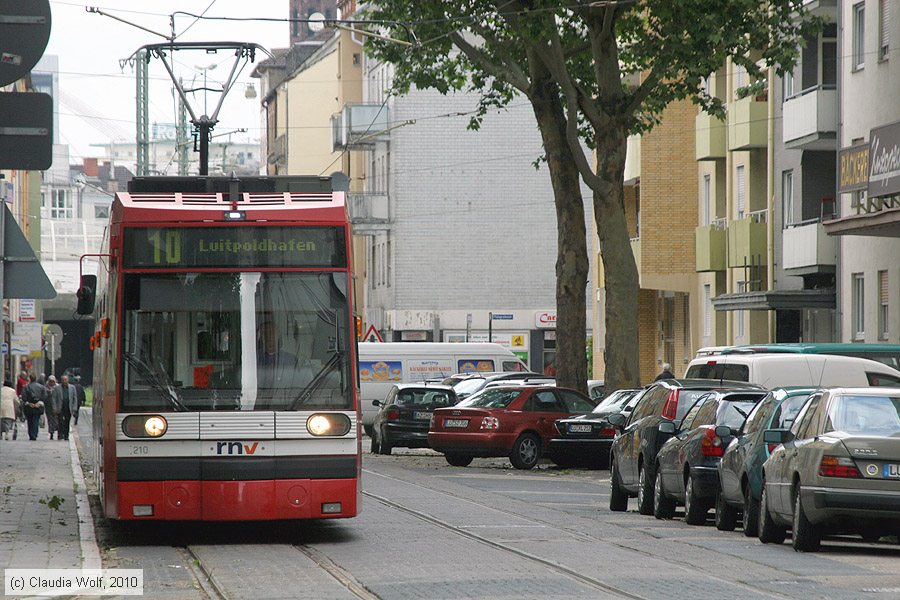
x,y
661,212
868,223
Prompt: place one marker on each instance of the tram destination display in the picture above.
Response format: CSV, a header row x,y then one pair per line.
x,y
242,246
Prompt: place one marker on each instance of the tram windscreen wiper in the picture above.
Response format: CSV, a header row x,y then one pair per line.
x,y
167,392
317,380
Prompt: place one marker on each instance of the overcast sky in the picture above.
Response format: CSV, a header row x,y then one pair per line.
x,y
97,100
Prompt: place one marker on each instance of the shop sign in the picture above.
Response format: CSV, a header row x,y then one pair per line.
x,y
27,309
545,319
884,161
853,168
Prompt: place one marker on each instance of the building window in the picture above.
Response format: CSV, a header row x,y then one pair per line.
x,y
707,310
858,306
61,205
788,85
884,28
739,192
387,261
739,78
705,201
739,314
859,35
787,198
882,305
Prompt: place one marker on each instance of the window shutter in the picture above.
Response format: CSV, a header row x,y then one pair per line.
x,y
740,191
883,287
884,30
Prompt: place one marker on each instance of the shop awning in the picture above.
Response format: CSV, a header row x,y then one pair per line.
x,y
776,300
884,223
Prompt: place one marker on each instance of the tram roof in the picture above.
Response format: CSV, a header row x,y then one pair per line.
x,y
187,199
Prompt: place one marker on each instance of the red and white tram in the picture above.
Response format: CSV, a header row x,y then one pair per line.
x,y
225,356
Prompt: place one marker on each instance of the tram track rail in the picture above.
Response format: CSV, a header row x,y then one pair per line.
x,y
687,566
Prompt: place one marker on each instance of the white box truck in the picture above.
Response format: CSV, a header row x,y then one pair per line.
x,y
382,365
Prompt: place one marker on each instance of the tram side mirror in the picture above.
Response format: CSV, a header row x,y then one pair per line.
x,y
86,294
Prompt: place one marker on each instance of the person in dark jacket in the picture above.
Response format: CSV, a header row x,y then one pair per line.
x,y
33,397
51,411
82,398
666,372
64,400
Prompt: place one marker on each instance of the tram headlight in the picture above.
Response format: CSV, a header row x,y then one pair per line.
x,y
328,424
144,426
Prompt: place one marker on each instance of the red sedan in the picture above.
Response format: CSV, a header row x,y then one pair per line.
x,y
513,421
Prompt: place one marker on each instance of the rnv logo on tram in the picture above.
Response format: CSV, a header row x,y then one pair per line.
x,y
236,448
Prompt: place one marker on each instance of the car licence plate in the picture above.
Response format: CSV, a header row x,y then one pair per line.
x,y
891,471
420,415
458,423
579,428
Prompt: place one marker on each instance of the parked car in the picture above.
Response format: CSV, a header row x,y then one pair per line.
x,y
513,421
633,454
783,369
740,470
405,413
473,383
686,466
586,439
837,470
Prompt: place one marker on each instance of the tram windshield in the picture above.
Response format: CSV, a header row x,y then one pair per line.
x,y
236,341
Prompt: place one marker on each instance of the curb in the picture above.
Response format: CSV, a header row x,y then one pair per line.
x,y
90,551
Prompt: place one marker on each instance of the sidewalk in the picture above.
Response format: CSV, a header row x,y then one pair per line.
x,y
35,535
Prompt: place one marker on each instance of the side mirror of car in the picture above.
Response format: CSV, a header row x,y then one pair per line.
x,y
617,420
725,431
377,403
777,436
667,427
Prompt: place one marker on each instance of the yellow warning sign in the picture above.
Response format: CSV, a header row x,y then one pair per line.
x,y
517,341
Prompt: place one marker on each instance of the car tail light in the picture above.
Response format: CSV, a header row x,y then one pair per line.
x,y
490,423
771,448
608,432
393,415
431,422
670,408
711,444
838,466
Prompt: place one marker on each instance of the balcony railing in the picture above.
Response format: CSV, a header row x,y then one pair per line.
x,y
636,250
810,119
633,158
747,240
710,246
806,246
747,127
710,137
369,211
69,239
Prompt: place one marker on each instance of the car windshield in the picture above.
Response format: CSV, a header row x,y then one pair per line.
x,y
491,398
469,386
865,415
236,341
787,411
616,400
423,398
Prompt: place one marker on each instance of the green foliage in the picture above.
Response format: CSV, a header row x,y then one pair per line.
x,y
670,45
52,502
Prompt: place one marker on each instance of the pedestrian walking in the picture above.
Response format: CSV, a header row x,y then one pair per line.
x,y
52,411
666,372
64,398
33,398
9,406
82,399
21,382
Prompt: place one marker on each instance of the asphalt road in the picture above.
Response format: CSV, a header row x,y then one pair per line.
x,y
429,530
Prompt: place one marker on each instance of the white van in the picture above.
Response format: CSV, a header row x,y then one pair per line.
x,y
780,370
381,365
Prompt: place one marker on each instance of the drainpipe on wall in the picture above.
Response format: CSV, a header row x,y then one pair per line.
x,y
729,200
770,196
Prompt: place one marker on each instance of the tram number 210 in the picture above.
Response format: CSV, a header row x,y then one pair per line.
x,y
166,246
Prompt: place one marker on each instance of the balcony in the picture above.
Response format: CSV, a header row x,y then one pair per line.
x,y
810,119
710,246
807,249
369,212
822,8
747,120
633,160
636,250
747,240
359,126
709,137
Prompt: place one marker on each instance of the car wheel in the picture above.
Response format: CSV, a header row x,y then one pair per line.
x,y
458,460
645,490
383,447
618,497
663,506
751,514
726,515
694,507
526,451
769,531
369,429
805,537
